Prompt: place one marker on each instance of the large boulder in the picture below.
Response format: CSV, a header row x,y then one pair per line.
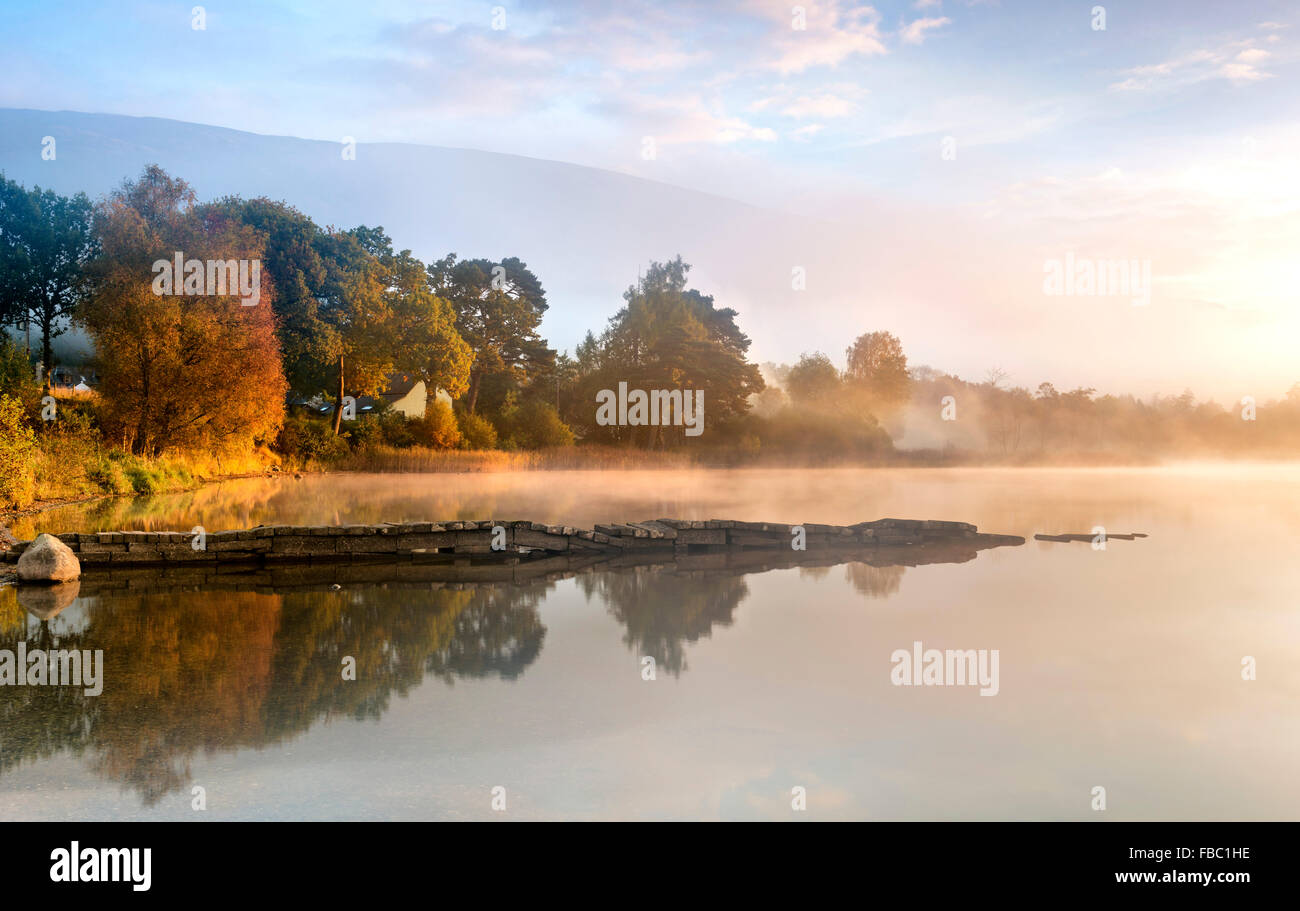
x,y
47,559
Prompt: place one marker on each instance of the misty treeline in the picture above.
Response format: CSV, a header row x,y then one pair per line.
x,y
934,416
1014,423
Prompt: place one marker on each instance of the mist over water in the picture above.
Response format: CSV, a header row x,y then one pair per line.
x,y
1020,501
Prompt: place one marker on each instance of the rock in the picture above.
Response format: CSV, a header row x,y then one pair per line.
x,y
45,601
47,559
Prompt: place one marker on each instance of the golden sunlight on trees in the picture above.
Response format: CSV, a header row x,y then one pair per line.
x,y
17,442
179,370
878,367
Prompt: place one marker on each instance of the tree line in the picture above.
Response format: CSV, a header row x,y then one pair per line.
x,y
337,314
186,368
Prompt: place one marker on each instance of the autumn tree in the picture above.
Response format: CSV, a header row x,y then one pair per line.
x,y
878,367
195,370
293,251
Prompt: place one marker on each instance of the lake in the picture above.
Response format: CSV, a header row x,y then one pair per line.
x,y
1119,668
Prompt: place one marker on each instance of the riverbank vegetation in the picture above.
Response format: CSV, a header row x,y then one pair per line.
x,y
196,375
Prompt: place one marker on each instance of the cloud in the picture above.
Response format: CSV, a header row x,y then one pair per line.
x,y
1241,72
1226,62
831,34
682,120
834,100
914,32
804,133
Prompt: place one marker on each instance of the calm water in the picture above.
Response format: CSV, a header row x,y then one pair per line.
x,y
1118,668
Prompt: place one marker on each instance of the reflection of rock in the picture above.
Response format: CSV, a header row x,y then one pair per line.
x,y
47,559
45,601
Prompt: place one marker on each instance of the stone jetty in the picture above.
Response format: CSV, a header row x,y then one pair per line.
x,y
510,541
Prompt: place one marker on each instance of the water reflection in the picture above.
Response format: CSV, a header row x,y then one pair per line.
x,y
203,663
189,672
662,611
874,581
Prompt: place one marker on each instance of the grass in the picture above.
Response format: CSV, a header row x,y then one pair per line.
x,y
73,467
420,459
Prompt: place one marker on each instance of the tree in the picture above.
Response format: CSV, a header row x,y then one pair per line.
x,y
385,318
45,242
198,370
293,256
668,336
15,257
877,365
813,381
498,309
423,329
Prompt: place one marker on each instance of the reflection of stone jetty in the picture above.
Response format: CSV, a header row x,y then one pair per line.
x,y
468,572
514,542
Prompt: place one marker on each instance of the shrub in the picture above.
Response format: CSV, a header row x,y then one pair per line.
x,y
822,435
438,428
536,425
306,439
477,432
395,429
110,477
68,450
17,379
17,449
144,478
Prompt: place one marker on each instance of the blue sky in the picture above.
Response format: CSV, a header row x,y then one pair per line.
x,y
1169,135
735,97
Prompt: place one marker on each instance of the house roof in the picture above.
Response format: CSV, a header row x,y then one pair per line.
x,y
400,385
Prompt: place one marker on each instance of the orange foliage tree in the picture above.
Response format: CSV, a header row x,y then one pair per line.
x,y
192,370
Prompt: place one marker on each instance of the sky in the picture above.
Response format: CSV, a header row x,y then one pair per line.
x,y
1003,138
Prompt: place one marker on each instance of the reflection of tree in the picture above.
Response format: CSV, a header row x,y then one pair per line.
x,y
12,616
664,610
814,572
497,633
874,581
196,671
